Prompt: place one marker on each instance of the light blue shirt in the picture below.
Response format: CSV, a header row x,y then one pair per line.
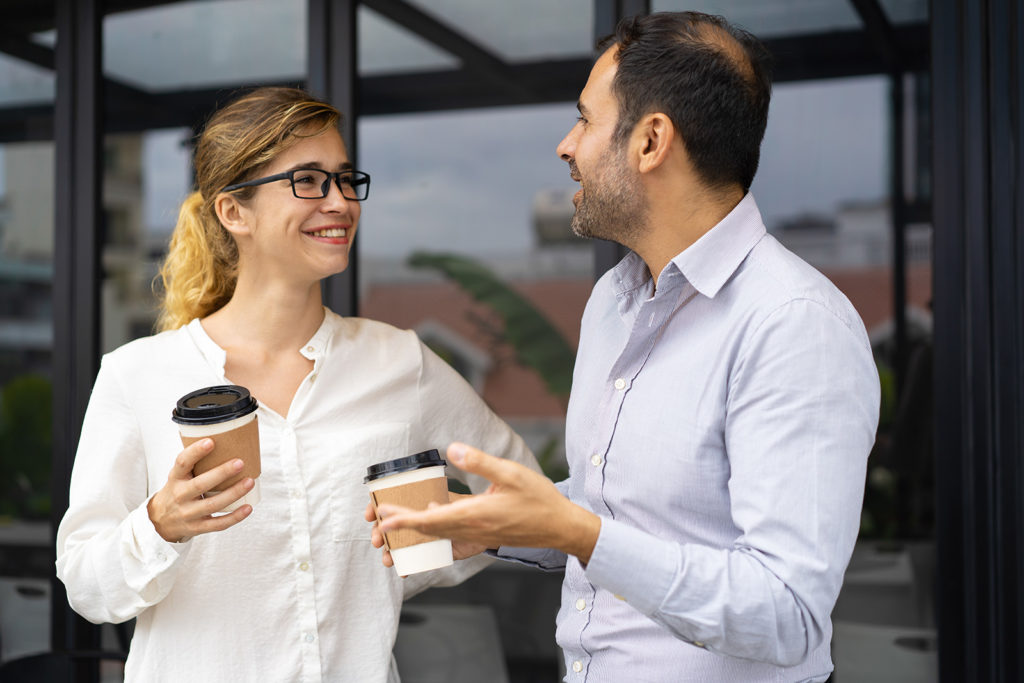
x,y
720,426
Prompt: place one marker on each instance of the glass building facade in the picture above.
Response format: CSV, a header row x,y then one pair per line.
x,y
892,163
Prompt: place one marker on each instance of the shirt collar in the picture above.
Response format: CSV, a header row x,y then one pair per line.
x,y
707,264
312,349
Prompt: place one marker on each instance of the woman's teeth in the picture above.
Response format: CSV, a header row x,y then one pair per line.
x,y
330,232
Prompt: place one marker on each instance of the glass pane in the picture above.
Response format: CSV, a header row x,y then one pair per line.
x,y
771,18
385,47
824,189
483,185
526,30
201,44
146,176
906,11
24,83
26,344
26,389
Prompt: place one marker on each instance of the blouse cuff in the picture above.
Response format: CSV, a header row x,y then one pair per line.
x,y
149,546
541,558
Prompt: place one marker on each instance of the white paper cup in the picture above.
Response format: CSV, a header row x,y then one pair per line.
x,y
412,482
227,414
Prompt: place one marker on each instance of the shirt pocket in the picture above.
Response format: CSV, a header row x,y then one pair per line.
x,y
356,450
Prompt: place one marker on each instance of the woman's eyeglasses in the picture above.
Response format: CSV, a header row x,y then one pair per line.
x,y
313,183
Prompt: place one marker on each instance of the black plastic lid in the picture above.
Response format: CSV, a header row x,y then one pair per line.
x,y
213,405
409,463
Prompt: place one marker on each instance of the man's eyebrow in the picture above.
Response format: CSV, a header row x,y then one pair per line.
x,y
582,108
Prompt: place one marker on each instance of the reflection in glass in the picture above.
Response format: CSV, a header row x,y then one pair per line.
x,y
906,11
22,83
190,45
485,185
771,18
526,30
824,188
26,391
385,47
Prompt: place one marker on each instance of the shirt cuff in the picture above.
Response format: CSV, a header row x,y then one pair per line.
x,y
653,565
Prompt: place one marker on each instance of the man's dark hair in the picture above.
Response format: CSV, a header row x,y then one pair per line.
x,y
712,79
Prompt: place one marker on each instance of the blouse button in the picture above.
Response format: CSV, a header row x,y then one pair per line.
x,y
620,384
596,459
577,666
581,604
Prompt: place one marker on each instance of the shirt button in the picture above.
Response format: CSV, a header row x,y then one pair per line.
x,y
620,383
309,348
308,638
296,493
581,604
619,597
312,378
698,643
596,459
304,566
577,666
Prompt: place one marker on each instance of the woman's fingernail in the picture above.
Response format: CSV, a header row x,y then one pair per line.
x,y
237,464
457,452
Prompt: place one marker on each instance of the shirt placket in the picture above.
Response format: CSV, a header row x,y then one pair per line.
x,y
307,633
651,317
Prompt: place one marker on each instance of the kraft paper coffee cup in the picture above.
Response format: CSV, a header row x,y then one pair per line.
x,y
413,482
227,414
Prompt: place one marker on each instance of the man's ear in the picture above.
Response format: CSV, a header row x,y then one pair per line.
x,y
653,137
232,214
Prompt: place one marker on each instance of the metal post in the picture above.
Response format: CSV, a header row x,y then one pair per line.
x,y
78,136
607,14
977,107
332,76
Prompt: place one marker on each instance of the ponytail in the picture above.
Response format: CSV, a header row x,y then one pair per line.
x,y
200,270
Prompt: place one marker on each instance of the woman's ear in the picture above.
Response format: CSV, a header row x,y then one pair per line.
x,y
653,137
232,214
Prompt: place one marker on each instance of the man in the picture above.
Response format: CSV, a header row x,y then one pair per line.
x,y
724,398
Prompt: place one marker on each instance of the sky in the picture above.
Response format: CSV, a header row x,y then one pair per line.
x,y
466,180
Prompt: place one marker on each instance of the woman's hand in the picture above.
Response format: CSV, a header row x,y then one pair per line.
x,y
460,549
179,511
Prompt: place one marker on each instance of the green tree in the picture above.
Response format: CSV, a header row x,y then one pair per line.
x,y
26,440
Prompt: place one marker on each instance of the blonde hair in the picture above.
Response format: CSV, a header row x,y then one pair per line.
x,y
201,268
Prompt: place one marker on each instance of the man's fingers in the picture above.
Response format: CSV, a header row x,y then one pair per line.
x,y
475,461
386,510
430,521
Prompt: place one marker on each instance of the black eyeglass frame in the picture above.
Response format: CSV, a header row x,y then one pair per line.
x,y
358,180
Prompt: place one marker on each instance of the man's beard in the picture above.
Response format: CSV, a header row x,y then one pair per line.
x,y
612,206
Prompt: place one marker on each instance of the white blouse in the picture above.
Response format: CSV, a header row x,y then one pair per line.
x,y
295,592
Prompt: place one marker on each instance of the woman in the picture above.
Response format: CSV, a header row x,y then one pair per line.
x,y
289,589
